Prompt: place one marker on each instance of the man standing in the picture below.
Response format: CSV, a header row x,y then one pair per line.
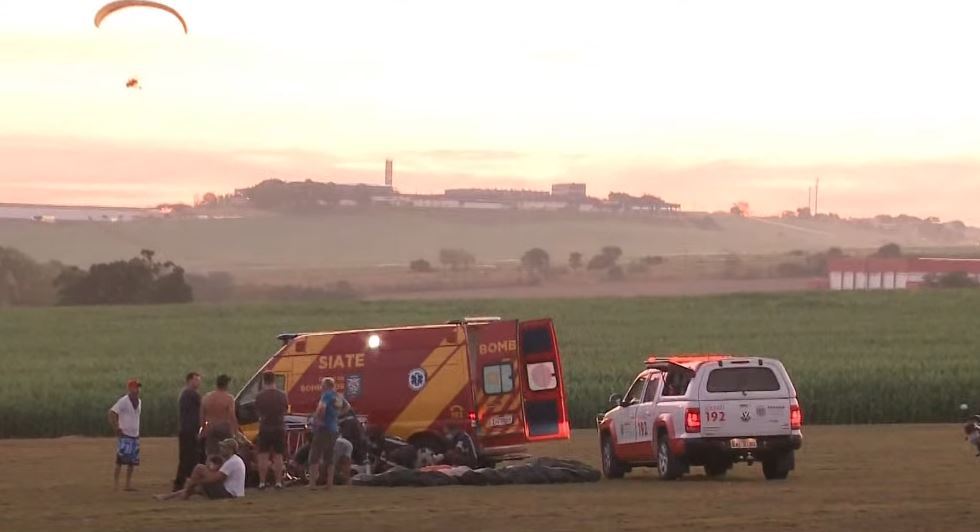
x,y
271,404
218,419
124,418
227,482
325,432
188,427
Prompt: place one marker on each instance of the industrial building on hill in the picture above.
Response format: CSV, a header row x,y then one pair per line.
x,y
276,194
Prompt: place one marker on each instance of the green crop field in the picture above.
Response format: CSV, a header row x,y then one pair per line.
x,y
855,357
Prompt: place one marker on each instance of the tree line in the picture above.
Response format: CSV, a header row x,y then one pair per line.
x,y
140,280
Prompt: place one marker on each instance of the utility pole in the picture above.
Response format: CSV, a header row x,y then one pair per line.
x,y
809,199
816,197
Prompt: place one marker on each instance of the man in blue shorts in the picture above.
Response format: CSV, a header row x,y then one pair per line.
x,y
124,418
325,431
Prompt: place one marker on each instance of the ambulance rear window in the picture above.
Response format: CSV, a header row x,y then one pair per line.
x,y
757,379
498,379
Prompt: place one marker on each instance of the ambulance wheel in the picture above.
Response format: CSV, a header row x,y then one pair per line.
x,y
669,467
611,466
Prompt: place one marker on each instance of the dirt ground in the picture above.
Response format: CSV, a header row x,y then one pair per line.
x,y
897,478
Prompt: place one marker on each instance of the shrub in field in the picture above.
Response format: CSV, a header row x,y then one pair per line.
x,y
24,281
575,261
606,258
536,261
138,280
457,259
889,251
616,273
951,280
420,266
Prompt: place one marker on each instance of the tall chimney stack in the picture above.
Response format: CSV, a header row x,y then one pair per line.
x,y
388,172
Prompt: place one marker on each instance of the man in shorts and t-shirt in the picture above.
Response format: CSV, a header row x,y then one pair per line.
x,y
227,482
271,405
124,418
325,432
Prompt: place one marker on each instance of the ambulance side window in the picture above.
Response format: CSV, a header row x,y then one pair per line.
x,y
498,379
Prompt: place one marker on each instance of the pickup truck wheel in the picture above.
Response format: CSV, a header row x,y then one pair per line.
x,y
612,467
778,466
716,469
669,467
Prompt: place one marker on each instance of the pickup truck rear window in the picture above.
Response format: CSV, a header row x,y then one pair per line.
x,y
754,379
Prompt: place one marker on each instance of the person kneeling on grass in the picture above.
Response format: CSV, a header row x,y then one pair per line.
x,y
226,482
342,451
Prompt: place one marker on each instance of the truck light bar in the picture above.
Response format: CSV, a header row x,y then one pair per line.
x,y
473,319
686,359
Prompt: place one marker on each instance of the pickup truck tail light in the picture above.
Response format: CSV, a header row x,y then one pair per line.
x,y
795,417
692,420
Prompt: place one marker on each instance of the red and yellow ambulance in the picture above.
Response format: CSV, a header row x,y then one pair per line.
x,y
501,378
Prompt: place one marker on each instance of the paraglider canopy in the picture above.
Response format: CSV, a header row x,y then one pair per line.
x,y
112,7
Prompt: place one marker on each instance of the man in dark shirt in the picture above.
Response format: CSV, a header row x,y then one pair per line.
x,y
271,405
189,424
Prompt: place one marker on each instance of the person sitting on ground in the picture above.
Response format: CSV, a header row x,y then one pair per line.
x,y
228,482
215,462
342,450
353,431
461,450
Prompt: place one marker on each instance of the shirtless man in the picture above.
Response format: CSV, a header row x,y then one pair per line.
x,y
218,418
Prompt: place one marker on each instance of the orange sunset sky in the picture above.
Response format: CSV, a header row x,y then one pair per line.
x,y
703,103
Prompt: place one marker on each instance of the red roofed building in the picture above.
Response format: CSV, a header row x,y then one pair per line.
x,y
875,273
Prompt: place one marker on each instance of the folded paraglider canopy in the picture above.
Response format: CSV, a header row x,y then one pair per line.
x,y
112,7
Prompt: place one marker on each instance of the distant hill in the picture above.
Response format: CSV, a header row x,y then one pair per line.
x,y
362,238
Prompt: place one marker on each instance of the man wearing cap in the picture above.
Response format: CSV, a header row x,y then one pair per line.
x,y
227,482
124,418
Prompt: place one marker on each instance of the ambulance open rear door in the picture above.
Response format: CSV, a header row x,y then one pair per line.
x,y
542,384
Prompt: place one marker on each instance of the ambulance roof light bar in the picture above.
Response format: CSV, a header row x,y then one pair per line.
x,y
285,338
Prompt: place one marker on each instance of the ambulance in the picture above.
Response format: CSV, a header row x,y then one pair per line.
x,y
500,378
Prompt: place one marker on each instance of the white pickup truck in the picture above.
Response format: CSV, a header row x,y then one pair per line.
x,y
703,410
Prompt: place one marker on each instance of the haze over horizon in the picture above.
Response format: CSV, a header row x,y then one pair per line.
x,y
701,103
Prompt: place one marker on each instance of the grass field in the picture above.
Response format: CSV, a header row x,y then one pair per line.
x,y
855,357
896,478
367,238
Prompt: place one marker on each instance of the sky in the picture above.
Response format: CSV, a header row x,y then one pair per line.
x,y
703,103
